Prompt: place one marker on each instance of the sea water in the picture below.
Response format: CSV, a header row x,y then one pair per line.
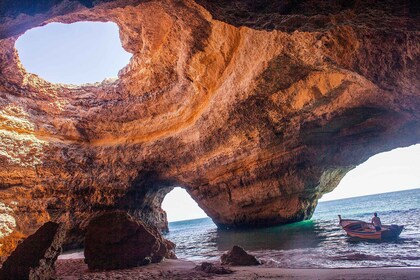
x,y
317,243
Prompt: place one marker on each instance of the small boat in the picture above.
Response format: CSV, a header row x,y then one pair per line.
x,y
363,230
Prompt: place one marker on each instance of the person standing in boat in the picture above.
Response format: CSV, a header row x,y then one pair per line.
x,y
376,222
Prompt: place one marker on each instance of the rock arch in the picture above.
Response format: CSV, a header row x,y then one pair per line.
x,y
256,120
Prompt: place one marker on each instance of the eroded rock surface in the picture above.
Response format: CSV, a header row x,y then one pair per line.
x,y
238,256
256,108
35,257
115,240
212,268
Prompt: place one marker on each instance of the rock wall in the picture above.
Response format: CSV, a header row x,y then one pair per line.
x,y
35,257
256,108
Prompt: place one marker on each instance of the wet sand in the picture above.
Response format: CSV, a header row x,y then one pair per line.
x,y
72,269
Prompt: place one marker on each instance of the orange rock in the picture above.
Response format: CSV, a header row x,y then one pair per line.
x,y
35,257
256,110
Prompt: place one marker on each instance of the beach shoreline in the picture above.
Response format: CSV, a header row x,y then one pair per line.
x,y
72,269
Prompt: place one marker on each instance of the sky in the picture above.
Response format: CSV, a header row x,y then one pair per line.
x,y
179,206
77,53
395,170
87,52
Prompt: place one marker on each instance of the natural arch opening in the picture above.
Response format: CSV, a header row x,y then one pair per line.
x,y
184,218
179,206
390,171
77,53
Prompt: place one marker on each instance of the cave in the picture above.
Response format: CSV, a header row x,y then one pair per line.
x,y
256,110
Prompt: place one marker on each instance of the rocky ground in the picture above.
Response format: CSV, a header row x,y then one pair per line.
x,y
185,270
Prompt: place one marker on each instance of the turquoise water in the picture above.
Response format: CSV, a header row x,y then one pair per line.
x,y
318,243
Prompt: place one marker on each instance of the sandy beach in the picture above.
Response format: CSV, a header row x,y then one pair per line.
x,y
72,269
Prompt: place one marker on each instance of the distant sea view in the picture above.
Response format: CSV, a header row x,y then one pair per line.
x,y
317,243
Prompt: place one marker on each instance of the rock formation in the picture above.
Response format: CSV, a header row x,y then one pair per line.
x,y
35,257
238,256
115,240
212,268
256,108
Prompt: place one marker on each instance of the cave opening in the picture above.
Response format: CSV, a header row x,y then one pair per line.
x,y
391,171
180,206
77,53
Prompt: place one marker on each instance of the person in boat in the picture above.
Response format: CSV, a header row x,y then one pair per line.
x,y
376,222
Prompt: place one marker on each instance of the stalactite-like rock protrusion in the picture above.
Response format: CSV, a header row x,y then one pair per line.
x,y
256,108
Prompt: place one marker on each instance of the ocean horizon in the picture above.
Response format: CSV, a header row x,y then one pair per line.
x,y
316,243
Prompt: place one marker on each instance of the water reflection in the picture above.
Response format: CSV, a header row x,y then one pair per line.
x,y
305,234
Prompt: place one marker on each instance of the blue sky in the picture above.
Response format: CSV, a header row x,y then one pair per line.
x,y
77,53
88,52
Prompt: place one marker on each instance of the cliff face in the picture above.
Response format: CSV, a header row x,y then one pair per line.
x,y
256,110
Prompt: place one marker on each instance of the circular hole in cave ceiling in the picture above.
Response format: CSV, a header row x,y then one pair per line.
x,y
77,53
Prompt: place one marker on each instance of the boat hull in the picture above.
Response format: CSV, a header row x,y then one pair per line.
x,y
363,230
365,235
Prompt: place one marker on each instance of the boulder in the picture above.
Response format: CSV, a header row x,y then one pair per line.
x,y
35,257
116,240
170,254
238,256
212,268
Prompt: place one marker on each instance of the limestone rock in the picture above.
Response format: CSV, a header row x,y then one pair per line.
x,y
116,240
256,108
35,257
170,252
238,256
213,269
